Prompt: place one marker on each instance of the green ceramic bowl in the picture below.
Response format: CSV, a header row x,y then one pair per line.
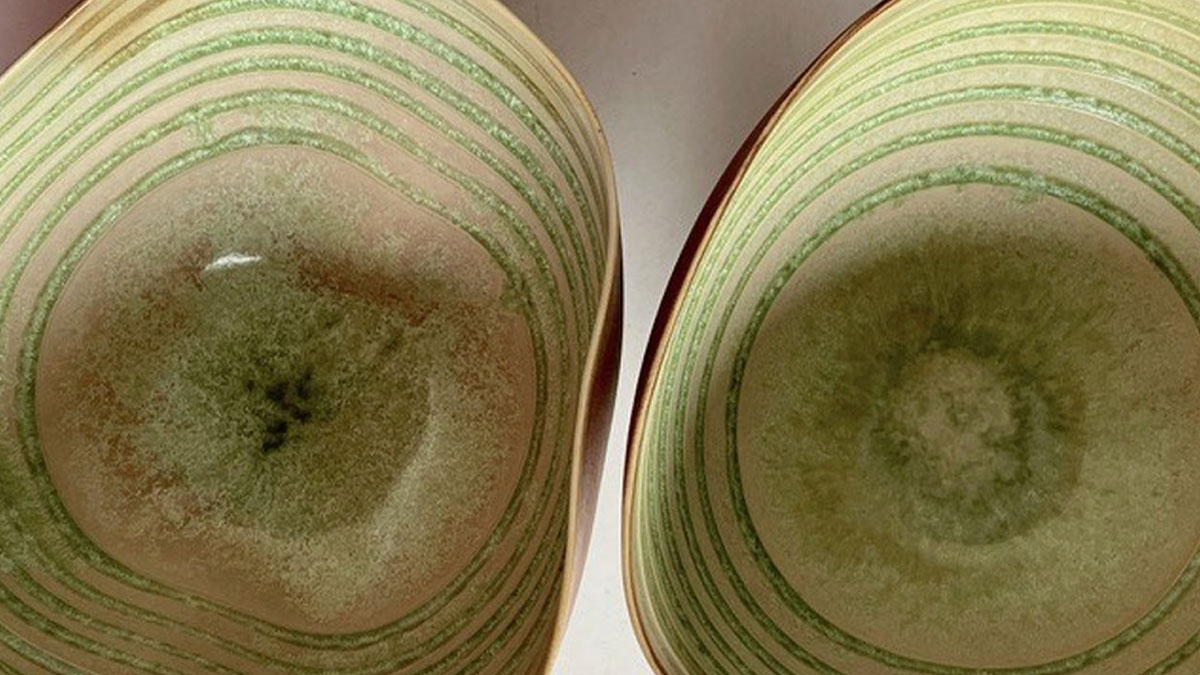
x,y
308,313
925,393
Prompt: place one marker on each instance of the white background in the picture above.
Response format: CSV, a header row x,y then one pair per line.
x,y
678,85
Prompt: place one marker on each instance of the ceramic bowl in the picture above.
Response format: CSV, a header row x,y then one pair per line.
x,y
307,320
925,391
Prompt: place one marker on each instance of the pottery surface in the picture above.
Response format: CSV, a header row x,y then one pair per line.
x,y
306,317
924,395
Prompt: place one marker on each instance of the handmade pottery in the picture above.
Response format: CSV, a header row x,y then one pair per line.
x,y
308,323
924,394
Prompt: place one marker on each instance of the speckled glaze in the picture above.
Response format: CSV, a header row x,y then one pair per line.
x,y
309,315
924,392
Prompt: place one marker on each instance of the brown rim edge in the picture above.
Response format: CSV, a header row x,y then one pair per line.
x,y
685,268
41,44
598,381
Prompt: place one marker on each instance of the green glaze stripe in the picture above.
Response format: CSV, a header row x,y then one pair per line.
x,y
920,105
29,654
56,51
785,136
953,178
714,652
365,16
660,521
57,631
881,44
52,602
504,93
1182,654
326,42
1051,97
541,627
542,579
1071,100
549,587
484,78
579,120
197,115
557,511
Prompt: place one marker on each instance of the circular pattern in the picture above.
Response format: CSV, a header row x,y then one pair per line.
x,y
968,445
268,268
924,403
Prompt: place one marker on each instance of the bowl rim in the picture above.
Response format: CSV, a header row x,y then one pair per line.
x,y
598,379
685,269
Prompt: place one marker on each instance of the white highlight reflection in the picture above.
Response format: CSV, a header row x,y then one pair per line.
x,y
232,260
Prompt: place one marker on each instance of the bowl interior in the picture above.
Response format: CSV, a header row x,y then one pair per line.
x,y
298,305
927,399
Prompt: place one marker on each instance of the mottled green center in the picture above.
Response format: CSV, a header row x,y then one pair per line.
x,y
276,399
967,444
291,391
